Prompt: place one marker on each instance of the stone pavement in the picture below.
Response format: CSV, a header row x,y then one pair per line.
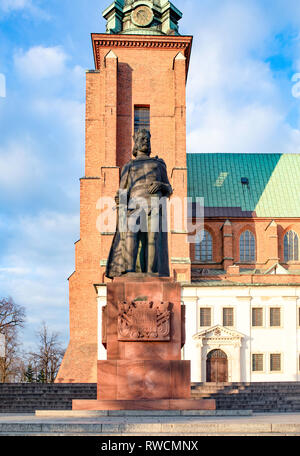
x,y
146,424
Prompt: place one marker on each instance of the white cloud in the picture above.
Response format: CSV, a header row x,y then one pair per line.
x,y
42,246
48,229
249,129
19,165
14,271
70,111
70,114
41,62
24,7
38,259
55,94
10,5
234,102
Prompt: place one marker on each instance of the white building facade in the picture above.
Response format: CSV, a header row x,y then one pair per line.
x,y
254,328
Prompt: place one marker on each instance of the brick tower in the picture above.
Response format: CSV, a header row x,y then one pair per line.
x,y
141,66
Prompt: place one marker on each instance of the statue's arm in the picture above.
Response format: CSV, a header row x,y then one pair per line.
x,y
167,189
124,182
164,184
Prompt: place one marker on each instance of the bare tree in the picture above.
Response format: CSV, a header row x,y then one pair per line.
x,y
12,317
49,355
11,314
11,364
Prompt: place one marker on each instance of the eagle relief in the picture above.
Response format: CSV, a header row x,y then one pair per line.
x,y
144,321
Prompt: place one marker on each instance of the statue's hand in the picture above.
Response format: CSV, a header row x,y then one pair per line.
x,y
155,187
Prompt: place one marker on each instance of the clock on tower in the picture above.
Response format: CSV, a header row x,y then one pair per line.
x,y
142,16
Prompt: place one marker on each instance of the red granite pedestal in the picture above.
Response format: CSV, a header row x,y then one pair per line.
x,y
144,332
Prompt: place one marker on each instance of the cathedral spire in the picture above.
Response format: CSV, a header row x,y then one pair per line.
x,y
142,17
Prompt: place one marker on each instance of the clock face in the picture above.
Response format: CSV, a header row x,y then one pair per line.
x,y
142,16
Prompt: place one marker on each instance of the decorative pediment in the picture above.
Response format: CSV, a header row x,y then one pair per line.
x,y
219,333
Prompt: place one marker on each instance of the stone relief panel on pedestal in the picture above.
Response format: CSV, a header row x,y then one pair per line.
x,y
144,321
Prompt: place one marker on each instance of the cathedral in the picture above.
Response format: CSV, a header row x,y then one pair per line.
x,y
240,275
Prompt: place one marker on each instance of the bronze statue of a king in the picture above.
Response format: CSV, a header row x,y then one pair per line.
x,y
140,244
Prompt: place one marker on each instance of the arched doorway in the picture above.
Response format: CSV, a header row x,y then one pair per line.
x,y
217,367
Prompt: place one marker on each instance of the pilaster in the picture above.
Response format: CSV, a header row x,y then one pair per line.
x,y
272,243
227,245
111,93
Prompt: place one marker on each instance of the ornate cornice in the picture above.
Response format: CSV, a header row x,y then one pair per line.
x,y
181,43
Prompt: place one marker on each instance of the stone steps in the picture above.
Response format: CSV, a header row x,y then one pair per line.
x,y
259,397
28,397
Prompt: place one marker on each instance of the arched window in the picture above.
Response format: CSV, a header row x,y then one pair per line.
x,y
247,247
291,246
203,247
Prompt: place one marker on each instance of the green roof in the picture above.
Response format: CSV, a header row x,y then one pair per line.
x,y
273,188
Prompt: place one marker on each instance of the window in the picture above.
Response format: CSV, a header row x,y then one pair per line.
x,y
257,316
275,317
205,316
257,363
228,316
141,118
275,362
203,247
291,246
247,247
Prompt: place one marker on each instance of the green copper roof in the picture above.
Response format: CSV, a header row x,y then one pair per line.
x,y
273,188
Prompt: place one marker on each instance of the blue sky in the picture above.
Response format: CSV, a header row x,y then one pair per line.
x,y
239,94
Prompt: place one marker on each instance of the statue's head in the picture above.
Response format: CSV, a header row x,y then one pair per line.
x,y
142,142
